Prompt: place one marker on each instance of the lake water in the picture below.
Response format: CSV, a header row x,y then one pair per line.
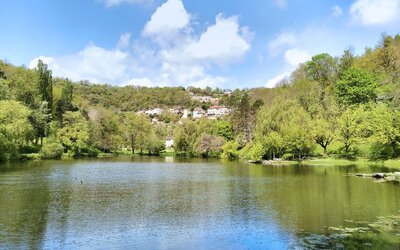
x,y
166,203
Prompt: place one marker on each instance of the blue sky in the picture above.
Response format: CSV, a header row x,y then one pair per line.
x,y
224,43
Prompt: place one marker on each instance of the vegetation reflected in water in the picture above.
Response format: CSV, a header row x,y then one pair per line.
x,y
181,203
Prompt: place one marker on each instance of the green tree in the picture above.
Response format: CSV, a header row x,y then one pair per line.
x,y
323,69
154,145
64,104
105,130
45,84
144,129
130,130
385,126
230,150
75,134
356,86
351,125
324,131
39,118
15,128
346,61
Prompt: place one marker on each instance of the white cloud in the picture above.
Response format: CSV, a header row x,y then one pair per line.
x,y
296,56
284,39
221,43
185,59
375,12
93,63
169,18
111,3
337,11
277,79
124,41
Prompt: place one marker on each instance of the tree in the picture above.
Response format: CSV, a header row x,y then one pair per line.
x,y
324,131
243,118
350,128
15,128
385,126
45,83
143,127
105,129
346,61
154,145
40,118
209,145
75,134
323,69
256,152
356,86
130,129
65,103
230,150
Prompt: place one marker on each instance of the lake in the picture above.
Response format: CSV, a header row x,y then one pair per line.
x,y
167,203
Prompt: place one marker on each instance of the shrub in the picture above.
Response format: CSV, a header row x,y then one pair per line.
x,y
256,152
230,150
52,151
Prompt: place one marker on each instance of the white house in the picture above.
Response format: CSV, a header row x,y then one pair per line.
x,y
156,111
169,142
186,113
198,113
217,111
175,110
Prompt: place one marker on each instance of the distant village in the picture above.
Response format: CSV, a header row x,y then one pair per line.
x,y
213,112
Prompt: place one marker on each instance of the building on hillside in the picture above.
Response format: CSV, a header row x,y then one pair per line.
x,y
185,113
217,111
198,113
175,110
156,111
169,142
227,92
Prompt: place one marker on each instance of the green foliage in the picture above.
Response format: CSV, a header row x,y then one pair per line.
x,y
230,150
52,151
14,126
64,104
356,86
105,132
256,152
45,84
154,145
285,127
75,134
322,68
351,125
131,98
385,126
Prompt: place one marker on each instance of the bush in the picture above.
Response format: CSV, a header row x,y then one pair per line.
x,y
256,152
230,150
52,151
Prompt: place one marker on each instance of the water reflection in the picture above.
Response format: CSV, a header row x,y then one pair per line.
x,y
180,203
